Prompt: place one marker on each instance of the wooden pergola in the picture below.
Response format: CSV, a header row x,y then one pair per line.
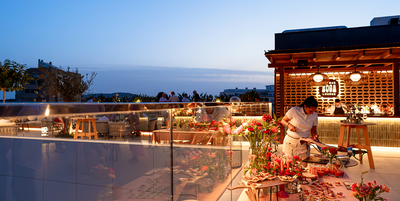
x,y
336,59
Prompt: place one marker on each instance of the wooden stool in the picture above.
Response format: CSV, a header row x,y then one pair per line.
x,y
89,134
367,145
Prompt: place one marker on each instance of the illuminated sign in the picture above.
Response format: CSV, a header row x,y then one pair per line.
x,y
331,90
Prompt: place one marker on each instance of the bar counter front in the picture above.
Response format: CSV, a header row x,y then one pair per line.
x,y
385,133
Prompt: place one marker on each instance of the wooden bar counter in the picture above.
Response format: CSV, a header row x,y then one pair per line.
x,y
385,133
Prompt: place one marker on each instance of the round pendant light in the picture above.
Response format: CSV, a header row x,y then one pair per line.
x,y
317,79
355,78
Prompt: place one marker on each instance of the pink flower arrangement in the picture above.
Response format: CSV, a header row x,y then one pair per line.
x,y
368,191
227,129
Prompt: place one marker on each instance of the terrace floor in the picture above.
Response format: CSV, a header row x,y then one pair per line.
x,y
387,167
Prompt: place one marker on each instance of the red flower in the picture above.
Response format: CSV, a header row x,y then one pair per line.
x,y
250,129
274,129
204,168
266,117
258,124
333,150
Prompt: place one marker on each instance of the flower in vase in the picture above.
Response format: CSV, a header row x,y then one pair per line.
x,y
204,168
274,129
266,118
227,129
365,189
239,130
250,129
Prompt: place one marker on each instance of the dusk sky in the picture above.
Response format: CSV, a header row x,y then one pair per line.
x,y
151,46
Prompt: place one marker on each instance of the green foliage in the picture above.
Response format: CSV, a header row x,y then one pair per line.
x,y
65,83
223,97
13,76
145,98
206,98
250,96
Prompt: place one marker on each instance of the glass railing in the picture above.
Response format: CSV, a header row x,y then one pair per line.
x,y
111,151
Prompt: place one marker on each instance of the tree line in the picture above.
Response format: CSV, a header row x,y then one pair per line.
x,y
249,96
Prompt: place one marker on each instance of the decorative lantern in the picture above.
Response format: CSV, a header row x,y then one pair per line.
x,y
355,78
318,79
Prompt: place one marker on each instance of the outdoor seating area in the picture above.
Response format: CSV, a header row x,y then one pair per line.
x,y
149,142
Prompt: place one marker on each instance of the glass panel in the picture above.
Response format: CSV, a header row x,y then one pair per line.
x,y
123,151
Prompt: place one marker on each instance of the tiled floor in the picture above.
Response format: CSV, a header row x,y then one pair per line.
x,y
387,170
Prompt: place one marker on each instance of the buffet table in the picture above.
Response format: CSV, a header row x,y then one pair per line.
x,y
293,197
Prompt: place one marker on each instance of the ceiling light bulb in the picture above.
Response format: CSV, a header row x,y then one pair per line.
x,y
318,78
355,77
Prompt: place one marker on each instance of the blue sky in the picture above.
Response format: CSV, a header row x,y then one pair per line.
x,y
128,42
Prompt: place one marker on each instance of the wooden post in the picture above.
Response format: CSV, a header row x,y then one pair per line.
x,y
282,101
282,92
396,88
275,90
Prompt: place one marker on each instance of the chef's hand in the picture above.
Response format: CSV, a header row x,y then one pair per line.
x,y
316,137
292,128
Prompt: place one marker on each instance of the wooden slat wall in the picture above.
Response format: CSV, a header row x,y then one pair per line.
x,y
378,90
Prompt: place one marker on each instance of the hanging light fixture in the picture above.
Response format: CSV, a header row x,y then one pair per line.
x,y
355,78
318,79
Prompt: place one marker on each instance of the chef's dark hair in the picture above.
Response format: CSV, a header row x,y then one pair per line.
x,y
309,102
337,100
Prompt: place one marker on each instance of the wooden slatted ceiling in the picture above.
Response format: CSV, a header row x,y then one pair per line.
x,y
330,58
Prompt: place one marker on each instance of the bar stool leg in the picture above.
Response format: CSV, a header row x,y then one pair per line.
x,y
368,148
341,135
348,135
358,142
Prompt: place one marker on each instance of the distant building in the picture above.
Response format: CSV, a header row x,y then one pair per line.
x,y
266,94
31,91
106,95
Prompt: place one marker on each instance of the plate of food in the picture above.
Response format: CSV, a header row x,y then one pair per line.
x,y
287,178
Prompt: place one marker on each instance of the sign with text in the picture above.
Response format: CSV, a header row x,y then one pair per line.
x,y
331,90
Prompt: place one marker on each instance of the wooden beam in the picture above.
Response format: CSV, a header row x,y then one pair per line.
x,y
384,55
324,70
336,63
396,88
336,56
315,57
359,55
291,58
